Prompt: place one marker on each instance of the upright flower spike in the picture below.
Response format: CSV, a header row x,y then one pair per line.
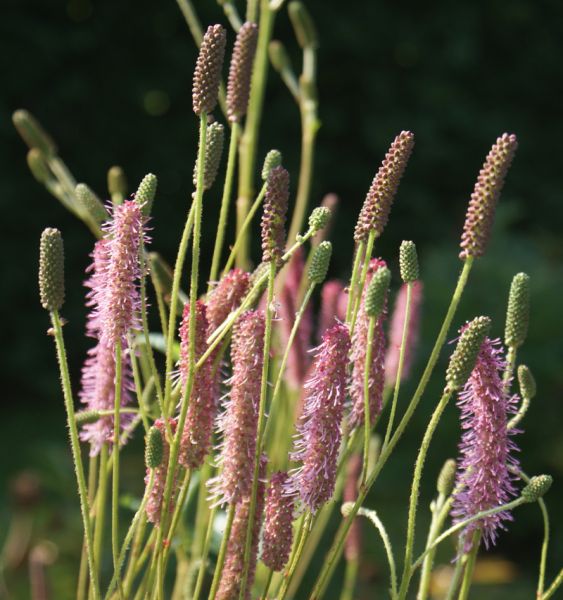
x,y
526,382
333,305
233,569
446,478
239,422
396,332
90,204
274,215
38,166
518,311
481,209
207,74
320,261
213,152
146,192
273,159
537,488
226,296
358,356
32,133
198,429
319,430
408,262
51,269
485,478
377,205
277,537
353,543
240,71
154,448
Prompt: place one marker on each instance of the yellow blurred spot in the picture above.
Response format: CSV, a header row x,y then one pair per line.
x,y
156,102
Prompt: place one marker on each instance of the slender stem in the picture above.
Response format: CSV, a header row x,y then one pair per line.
x,y
509,369
115,474
554,586
81,591
268,584
470,566
222,553
458,571
306,530
354,280
520,414
138,388
75,447
201,517
363,278
367,416
402,353
204,555
251,10
260,425
434,530
224,212
231,13
350,577
101,498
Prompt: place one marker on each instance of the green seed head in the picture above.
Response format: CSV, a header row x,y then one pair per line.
x,y
526,382
319,218
51,269
320,261
465,354
38,166
273,159
86,416
518,311
33,134
303,26
408,262
446,478
279,57
537,488
117,182
146,192
154,448
377,292
90,204
213,152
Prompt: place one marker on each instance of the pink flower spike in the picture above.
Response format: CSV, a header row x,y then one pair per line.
x,y
333,305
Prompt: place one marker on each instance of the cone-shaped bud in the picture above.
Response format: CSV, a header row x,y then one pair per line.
x,y
213,152
38,166
320,261
51,269
330,203
527,382
279,57
146,192
154,449
273,159
376,294
117,182
161,275
465,354
86,416
481,209
319,218
537,488
274,215
90,204
207,74
518,311
408,261
240,71
377,205
303,26
32,133
446,478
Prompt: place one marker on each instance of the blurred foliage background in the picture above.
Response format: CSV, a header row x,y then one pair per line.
x,y
111,82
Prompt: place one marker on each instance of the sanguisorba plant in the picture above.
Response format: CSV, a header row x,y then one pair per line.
x,y
252,435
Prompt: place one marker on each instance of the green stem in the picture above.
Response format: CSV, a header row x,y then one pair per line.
x,y
231,13
204,555
458,571
75,447
367,416
306,530
268,584
434,530
251,10
138,389
509,369
222,553
101,499
81,589
363,278
350,578
224,211
354,280
554,586
470,567
115,474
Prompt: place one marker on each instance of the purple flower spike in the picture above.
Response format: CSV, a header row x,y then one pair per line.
x,y
319,431
333,305
484,473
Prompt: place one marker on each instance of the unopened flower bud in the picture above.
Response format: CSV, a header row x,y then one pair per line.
x,y
90,204
38,166
376,294
51,269
273,159
518,311
117,184
408,262
240,72
537,488
465,354
32,133
146,192
279,57
446,478
320,261
274,215
207,74
154,449
319,218
213,152
303,26
527,382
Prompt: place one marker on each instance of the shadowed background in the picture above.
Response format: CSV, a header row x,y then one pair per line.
x,y
111,82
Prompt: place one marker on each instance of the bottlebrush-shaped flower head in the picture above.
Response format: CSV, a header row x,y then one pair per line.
x,y
358,356
198,428
277,536
213,151
481,209
240,71
274,215
377,205
51,269
487,459
239,422
226,296
207,74
319,430
518,311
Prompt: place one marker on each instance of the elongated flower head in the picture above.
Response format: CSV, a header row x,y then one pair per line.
x,y
446,478
303,25
240,71
38,166
537,488
526,382
154,449
207,74
274,215
213,153
377,205
408,261
485,478
396,332
333,305
277,536
273,159
90,205
518,311
146,192
377,290
466,352
239,422
481,209
226,296
319,218
51,269
353,543
320,261
319,430
117,184
32,133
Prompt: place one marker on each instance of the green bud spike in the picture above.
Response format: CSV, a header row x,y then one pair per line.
x,y
408,262
38,166
377,292
51,269
273,159
537,488
465,354
320,261
518,311
446,478
213,152
305,30
526,382
146,192
279,57
154,448
86,416
319,218
117,184
33,134
90,204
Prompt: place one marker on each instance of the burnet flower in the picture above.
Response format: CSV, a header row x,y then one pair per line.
x,y
334,299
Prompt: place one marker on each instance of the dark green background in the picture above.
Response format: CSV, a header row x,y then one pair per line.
x,y
458,74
